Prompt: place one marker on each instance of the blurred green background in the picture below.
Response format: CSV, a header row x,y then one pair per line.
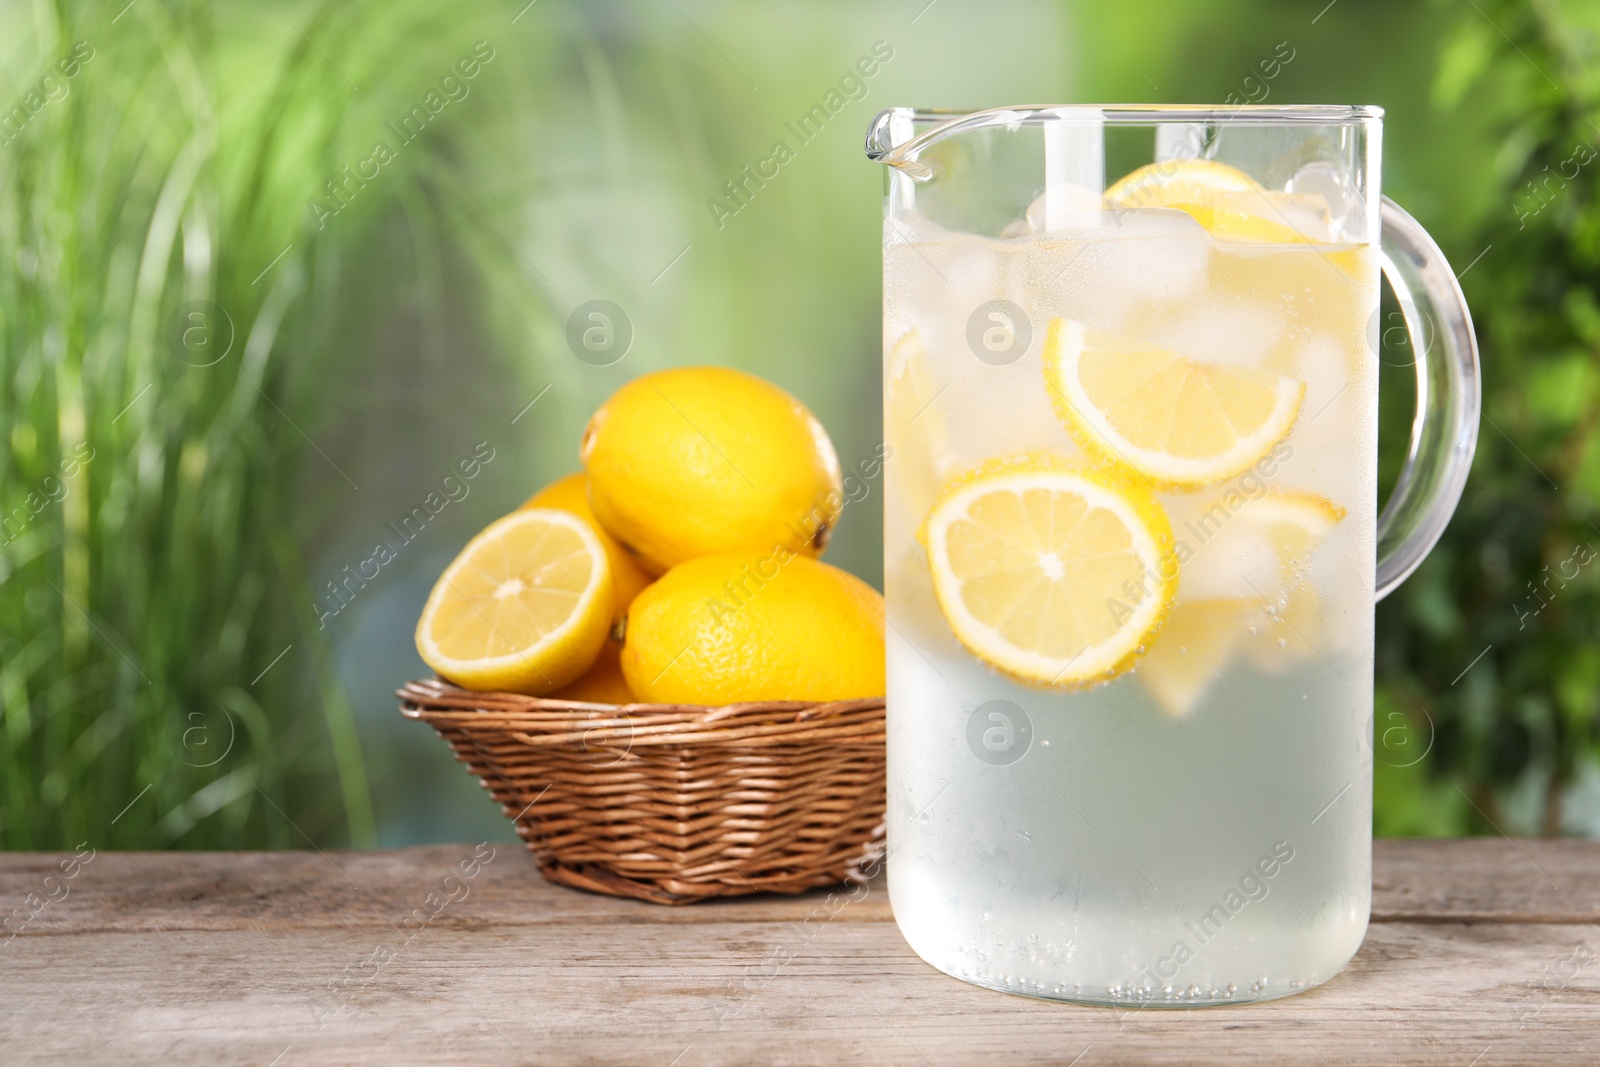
x,y
239,340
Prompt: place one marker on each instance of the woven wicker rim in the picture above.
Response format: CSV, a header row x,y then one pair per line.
x,y
676,803
542,721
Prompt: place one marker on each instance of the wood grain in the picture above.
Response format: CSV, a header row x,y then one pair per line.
x,y
1481,952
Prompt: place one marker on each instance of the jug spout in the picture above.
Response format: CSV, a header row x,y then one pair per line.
x,y
894,139
888,138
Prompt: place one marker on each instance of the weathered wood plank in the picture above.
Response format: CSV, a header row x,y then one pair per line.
x,y
1417,993
132,891
1486,878
173,958
1483,879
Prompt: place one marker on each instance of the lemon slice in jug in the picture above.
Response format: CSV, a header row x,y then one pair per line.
x,y
1174,182
1052,574
1180,423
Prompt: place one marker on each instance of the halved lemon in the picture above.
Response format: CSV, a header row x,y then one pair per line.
x,y
571,493
1197,642
1174,182
1055,575
1180,423
523,608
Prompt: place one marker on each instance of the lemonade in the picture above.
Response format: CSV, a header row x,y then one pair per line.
x,y
1129,574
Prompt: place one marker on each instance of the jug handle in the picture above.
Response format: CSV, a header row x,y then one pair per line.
x,y
1444,432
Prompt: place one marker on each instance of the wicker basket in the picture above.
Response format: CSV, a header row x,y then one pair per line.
x,y
675,803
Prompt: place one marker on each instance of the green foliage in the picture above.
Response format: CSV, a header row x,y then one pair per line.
x,y
166,307
1516,578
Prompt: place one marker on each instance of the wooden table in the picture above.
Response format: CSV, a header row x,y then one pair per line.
x,y
1481,952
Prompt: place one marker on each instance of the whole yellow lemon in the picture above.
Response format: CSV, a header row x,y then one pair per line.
x,y
602,683
741,626
689,462
571,494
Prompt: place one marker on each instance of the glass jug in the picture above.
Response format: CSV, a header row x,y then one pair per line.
x,y
1132,540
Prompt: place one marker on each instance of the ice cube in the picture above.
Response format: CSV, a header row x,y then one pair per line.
x,y
936,282
1329,182
1145,259
1065,206
1322,440
1215,331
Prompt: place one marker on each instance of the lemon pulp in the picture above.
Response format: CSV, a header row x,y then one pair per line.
x,y
1054,575
523,608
